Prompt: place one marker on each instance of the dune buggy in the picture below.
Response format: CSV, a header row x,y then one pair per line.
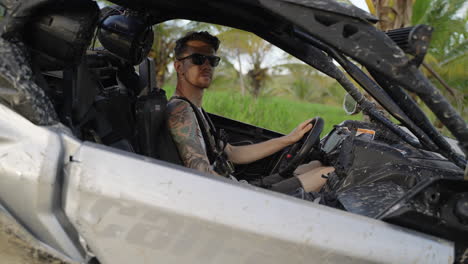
x,y
89,174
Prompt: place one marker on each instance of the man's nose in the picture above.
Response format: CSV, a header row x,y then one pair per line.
x,y
206,63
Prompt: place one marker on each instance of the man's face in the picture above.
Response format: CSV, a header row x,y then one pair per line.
x,y
197,75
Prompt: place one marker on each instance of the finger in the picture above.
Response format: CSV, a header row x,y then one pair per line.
x,y
307,128
301,132
303,124
307,125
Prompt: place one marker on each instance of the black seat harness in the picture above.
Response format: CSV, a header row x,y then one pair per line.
x,y
215,140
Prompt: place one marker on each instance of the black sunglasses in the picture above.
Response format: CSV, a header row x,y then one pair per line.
x,y
199,59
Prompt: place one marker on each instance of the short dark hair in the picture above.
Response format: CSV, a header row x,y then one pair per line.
x,y
181,44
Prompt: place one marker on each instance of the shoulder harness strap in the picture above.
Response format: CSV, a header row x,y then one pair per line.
x,y
211,149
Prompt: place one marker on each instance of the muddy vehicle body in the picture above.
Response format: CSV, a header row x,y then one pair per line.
x,y
87,171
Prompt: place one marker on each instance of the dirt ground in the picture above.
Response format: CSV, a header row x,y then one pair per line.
x,y
17,246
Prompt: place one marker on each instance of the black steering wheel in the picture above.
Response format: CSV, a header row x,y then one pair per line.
x,y
298,152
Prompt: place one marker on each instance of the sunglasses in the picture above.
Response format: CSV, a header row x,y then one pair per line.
x,y
199,59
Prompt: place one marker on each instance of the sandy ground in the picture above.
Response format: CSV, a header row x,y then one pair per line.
x,y
17,246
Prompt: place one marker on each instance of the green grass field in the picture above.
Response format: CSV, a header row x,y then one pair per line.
x,y
274,113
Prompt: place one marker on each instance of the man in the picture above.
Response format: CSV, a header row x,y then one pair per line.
x,y
194,64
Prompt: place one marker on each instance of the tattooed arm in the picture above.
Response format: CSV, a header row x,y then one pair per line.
x,y
184,129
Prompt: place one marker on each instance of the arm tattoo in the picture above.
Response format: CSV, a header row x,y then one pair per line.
x,y
184,129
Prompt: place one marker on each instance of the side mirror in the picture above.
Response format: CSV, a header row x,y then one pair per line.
x,y
350,105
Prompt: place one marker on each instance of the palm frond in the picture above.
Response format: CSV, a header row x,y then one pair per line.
x,y
420,11
456,53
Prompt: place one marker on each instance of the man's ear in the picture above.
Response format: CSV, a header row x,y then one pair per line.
x,y
178,67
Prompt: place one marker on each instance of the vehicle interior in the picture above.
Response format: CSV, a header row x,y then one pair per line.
x,y
109,96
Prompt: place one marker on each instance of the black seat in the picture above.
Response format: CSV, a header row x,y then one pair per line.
x,y
154,139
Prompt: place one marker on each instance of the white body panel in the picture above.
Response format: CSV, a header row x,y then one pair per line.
x,y
153,212
31,162
129,209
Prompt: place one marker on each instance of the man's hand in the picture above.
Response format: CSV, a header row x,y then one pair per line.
x,y
298,132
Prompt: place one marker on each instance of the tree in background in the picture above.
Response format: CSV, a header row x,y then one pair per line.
x,y
162,51
446,61
392,14
306,83
239,42
258,50
232,43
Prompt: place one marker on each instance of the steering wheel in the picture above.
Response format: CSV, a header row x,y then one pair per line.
x,y
298,152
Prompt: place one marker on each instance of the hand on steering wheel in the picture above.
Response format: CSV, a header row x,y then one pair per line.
x,y
300,149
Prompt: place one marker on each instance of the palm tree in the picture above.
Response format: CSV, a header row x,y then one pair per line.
x,y
232,40
392,14
165,36
238,43
446,61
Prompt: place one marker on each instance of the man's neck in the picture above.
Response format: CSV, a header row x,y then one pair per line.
x,y
192,93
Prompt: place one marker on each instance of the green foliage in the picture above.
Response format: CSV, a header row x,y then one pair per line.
x,y
274,113
226,76
304,83
238,42
420,11
165,36
448,53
